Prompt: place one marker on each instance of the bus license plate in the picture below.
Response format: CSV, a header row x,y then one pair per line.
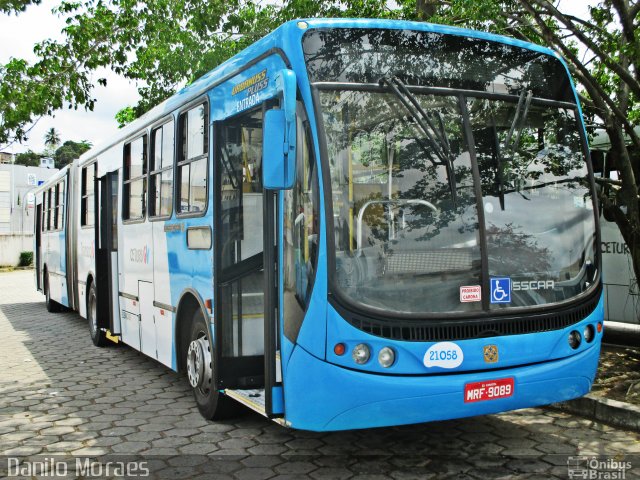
x,y
488,390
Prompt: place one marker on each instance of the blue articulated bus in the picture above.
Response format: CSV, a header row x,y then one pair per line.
x,y
350,224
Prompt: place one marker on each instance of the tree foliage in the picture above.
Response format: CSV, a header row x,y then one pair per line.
x,y
69,151
15,6
63,155
28,158
165,44
52,138
125,116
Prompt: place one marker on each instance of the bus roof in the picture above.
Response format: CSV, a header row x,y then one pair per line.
x,y
283,38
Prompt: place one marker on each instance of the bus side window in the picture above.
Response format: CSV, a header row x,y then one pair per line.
x,y
56,206
134,180
87,193
192,161
44,211
60,204
161,168
49,222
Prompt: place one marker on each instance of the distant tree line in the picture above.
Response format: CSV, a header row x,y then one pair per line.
x,y
62,155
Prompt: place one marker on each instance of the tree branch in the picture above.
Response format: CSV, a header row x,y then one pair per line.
x,y
624,74
590,26
602,100
608,182
628,31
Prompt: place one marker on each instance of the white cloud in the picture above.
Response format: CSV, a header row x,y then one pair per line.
x,y
577,8
18,33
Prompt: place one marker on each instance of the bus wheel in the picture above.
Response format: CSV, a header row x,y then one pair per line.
x,y
212,404
98,337
52,305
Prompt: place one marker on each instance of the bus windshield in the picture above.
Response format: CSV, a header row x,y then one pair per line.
x,y
439,184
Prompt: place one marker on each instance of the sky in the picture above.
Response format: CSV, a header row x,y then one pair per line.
x,y
18,35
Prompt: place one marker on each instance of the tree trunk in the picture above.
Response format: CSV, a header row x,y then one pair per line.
x,y
632,239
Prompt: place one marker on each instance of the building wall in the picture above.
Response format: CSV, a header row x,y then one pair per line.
x,y
11,246
17,208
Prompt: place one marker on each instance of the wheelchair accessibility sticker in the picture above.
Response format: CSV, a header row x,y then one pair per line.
x,y
501,290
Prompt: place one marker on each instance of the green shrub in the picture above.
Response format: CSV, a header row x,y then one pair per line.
x,y
26,259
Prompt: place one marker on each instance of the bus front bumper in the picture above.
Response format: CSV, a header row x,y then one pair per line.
x,y
321,396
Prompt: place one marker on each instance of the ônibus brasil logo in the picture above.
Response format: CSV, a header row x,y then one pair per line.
x,y
139,255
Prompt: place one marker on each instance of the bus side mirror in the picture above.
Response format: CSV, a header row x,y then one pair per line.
x,y
279,137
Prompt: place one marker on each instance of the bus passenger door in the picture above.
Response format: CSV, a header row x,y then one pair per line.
x,y
107,254
244,212
38,246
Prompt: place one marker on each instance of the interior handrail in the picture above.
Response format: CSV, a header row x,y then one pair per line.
x,y
396,201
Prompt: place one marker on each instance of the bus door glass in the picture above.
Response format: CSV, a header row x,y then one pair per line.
x,y
38,237
113,251
107,253
240,276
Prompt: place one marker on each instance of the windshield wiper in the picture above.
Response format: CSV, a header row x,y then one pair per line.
x,y
524,102
498,160
518,121
440,145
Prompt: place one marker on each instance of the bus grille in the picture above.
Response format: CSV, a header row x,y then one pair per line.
x,y
447,330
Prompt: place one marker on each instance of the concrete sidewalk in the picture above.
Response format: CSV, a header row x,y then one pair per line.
x,y
615,396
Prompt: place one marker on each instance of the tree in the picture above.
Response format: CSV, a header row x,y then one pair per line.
x,y
165,44
15,6
52,138
125,116
28,158
161,43
69,151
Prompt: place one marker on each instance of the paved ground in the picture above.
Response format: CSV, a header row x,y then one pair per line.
x,y
61,395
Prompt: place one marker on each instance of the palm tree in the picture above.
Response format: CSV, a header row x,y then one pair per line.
x,y
52,138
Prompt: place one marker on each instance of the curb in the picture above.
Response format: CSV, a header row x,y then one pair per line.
x,y
612,412
7,269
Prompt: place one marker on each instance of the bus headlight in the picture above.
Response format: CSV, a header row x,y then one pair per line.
x,y
589,333
361,354
574,339
386,357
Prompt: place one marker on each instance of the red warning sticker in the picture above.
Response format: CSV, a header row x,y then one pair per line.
x,y
471,293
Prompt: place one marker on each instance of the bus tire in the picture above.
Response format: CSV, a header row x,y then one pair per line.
x,y
52,305
98,337
199,352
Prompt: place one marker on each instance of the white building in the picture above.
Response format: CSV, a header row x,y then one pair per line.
x,y
47,162
16,208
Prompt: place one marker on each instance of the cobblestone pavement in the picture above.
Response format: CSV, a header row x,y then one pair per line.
x,y
59,395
